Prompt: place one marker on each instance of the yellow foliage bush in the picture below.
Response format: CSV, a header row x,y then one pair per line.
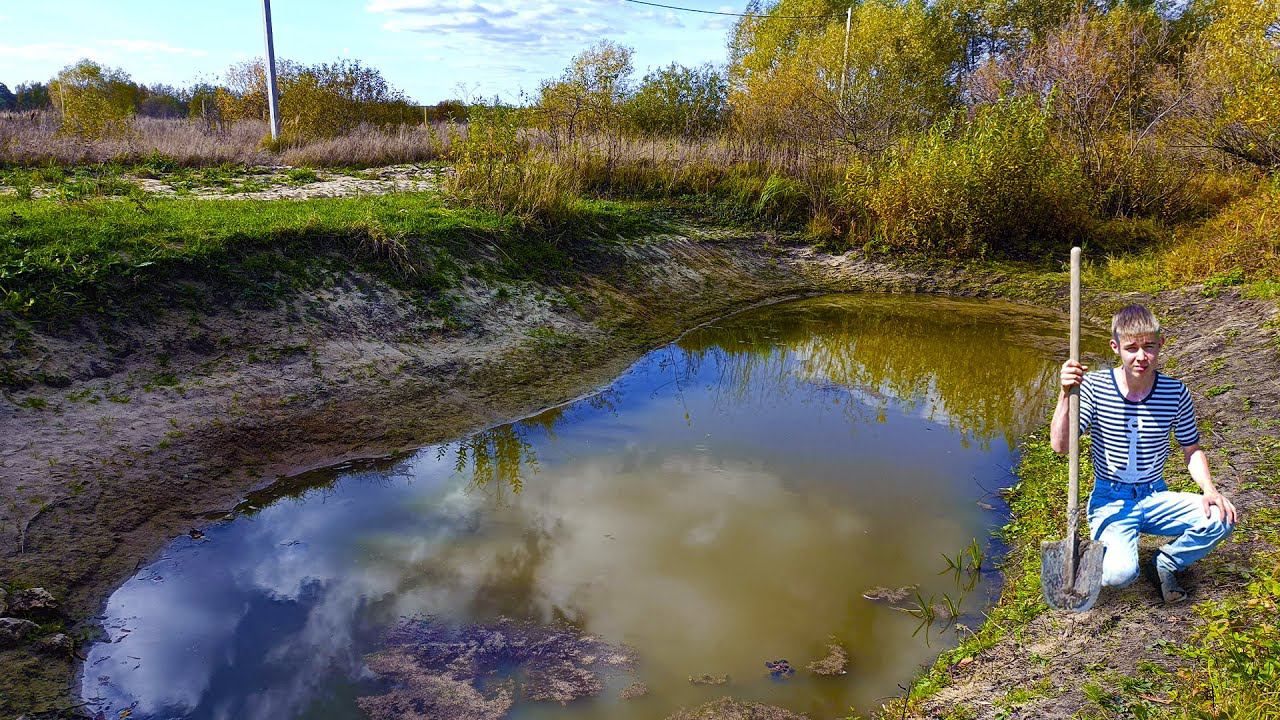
x,y
95,101
1242,242
996,186
495,169
316,101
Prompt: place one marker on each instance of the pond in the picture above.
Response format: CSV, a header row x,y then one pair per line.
x,y
730,500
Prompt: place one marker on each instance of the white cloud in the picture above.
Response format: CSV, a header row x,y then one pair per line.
x,y
507,45
501,27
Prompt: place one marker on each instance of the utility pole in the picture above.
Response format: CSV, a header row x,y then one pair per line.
x,y
844,64
272,99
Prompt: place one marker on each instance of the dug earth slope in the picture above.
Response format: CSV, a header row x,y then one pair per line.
x,y
144,429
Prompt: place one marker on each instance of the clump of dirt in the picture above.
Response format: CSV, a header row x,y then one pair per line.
x,y
889,595
634,690
446,672
836,661
709,679
727,708
421,695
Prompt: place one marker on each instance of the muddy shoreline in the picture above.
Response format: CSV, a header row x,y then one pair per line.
x,y
147,430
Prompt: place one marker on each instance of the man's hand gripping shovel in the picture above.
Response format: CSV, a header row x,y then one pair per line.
x,y
1071,570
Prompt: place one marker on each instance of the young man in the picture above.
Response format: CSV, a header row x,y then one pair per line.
x,y
1130,410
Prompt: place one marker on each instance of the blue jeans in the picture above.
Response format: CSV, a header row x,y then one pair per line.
x,y
1118,512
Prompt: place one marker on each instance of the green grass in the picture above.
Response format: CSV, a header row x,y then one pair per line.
x,y
60,260
1217,390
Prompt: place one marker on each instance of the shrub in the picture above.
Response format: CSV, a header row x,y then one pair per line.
x,y
1127,235
679,101
994,186
1234,79
1244,237
95,101
495,169
316,101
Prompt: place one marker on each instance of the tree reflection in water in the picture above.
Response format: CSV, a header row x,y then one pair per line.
x,y
500,458
984,368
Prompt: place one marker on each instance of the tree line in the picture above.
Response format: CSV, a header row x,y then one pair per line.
x,y
966,126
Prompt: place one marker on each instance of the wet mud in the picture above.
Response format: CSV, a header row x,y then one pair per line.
x,y
475,672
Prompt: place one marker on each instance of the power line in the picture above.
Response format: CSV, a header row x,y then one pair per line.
x,y
716,12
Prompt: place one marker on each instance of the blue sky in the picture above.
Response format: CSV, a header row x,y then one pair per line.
x,y
428,48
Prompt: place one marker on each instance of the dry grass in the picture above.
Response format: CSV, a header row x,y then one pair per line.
x,y
30,139
371,147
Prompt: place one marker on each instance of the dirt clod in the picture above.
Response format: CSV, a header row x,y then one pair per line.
x,y
33,601
727,708
835,662
56,644
450,671
888,595
16,631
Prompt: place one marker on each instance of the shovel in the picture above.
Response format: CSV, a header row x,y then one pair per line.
x,y
1071,570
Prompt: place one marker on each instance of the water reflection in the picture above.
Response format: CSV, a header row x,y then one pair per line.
x,y
725,502
976,367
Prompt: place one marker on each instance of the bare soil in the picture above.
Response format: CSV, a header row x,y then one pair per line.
x,y
147,429
275,183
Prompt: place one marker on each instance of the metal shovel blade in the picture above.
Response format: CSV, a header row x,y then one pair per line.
x,y
1078,594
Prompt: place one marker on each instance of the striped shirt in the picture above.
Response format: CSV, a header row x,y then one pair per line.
x,y
1131,438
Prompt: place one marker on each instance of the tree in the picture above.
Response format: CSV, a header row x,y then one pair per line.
x,y
95,100
162,101
330,99
993,29
453,111
588,96
316,101
1108,84
1235,75
202,104
677,100
32,96
8,101
791,81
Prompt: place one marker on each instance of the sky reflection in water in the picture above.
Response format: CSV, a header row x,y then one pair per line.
x,y
724,502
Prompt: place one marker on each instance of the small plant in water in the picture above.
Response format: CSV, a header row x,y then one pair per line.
x,y
965,567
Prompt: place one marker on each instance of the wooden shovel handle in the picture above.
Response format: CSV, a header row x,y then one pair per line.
x,y
1073,415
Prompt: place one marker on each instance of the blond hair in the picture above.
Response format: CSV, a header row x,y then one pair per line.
x,y
1133,321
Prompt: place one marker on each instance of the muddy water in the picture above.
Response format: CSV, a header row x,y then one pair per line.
x,y
724,503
